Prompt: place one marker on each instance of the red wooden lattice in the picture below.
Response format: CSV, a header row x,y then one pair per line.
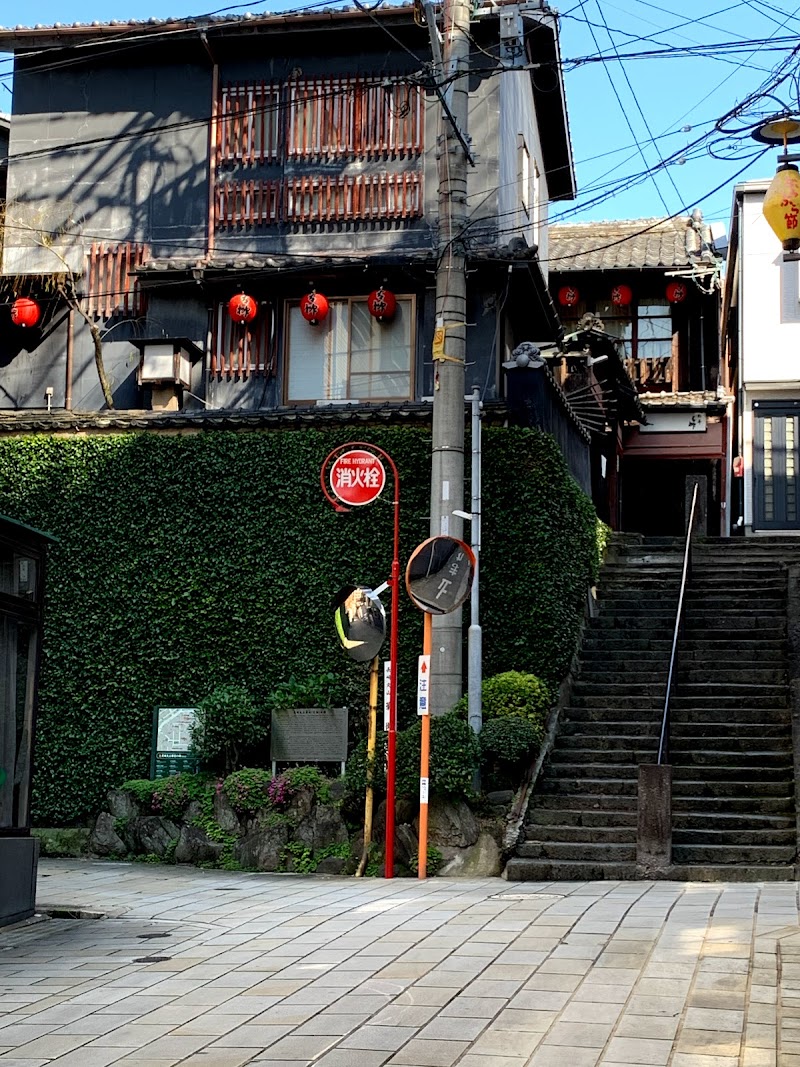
x,y
243,348
325,118
249,124
332,199
248,203
111,289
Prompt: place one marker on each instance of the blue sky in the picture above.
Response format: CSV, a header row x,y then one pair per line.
x,y
642,118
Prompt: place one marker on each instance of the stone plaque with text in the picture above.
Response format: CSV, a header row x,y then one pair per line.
x,y
309,735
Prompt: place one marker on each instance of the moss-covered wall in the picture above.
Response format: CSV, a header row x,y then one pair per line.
x,y
189,560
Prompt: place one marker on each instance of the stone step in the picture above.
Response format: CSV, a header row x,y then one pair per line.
x,y
712,763
563,832
710,872
565,817
726,854
710,835
525,870
598,803
575,786
733,822
582,851
692,674
569,767
722,658
726,785
610,743
610,756
734,734
683,745
697,691
731,805
770,696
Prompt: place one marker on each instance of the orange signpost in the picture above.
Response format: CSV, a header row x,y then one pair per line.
x,y
438,579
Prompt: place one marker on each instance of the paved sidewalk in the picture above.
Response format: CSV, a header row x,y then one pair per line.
x,y
211,969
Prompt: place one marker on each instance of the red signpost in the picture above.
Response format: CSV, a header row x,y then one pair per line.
x,y
357,477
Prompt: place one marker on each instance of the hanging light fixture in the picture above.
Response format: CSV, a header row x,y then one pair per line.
x,y
314,307
782,201
382,304
621,295
25,312
568,296
242,308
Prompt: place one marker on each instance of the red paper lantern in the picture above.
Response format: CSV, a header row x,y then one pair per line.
x,y
568,296
25,312
676,292
382,304
242,308
314,307
621,295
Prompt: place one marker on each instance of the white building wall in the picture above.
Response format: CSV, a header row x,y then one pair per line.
x,y
518,124
769,325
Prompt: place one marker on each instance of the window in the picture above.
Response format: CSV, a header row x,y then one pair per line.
x,y
644,328
350,355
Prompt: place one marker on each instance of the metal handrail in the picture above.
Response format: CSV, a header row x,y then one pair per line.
x,y
663,744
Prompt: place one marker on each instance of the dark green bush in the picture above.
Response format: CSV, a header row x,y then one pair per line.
x,y
229,727
189,560
454,757
171,796
318,691
510,743
512,693
247,790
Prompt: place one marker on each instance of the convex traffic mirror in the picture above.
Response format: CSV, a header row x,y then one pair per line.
x,y
360,622
439,574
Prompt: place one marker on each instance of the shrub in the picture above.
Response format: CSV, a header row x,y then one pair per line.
x,y
248,790
228,727
319,691
507,745
454,757
171,796
512,693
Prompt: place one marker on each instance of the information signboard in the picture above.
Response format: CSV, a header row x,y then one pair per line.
x,y
308,735
172,739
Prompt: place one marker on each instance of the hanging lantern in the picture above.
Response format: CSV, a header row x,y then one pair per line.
x,y
676,292
382,304
568,296
782,207
314,307
621,295
25,312
242,308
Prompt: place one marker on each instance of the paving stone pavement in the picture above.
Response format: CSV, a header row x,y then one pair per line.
x,y
216,969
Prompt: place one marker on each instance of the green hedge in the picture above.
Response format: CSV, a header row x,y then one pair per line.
x,y
187,561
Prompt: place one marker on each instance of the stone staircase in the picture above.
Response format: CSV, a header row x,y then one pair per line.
x,y
730,737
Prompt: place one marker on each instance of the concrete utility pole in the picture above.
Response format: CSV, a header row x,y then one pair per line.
x,y
449,348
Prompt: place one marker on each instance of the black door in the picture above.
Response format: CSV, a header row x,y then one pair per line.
x,y
776,466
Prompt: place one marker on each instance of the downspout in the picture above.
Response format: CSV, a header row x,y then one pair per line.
x,y
212,149
70,360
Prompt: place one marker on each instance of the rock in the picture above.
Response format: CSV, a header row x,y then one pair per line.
x,y
337,789
500,798
329,828
225,815
450,823
406,810
105,841
406,843
155,835
262,849
301,803
331,865
122,805
481,860
194,847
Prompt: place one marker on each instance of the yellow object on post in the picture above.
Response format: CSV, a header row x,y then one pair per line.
x,y
782,207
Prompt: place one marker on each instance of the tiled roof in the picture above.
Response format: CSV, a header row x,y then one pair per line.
x,y
625,244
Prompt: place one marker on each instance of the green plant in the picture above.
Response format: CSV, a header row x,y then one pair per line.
x,y
228,726
142,790
247,790
507,745
454,757
310,778
173,795
319,691
160,625
512,693
301,858
434,864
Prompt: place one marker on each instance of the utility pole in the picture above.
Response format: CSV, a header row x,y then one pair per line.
x,y
450,342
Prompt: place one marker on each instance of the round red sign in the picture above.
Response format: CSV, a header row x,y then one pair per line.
x,y
357,477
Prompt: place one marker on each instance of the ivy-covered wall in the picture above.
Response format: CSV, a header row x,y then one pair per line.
x,y
188,560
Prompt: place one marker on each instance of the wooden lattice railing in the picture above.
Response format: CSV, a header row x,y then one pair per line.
x,y
111,288
242,349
